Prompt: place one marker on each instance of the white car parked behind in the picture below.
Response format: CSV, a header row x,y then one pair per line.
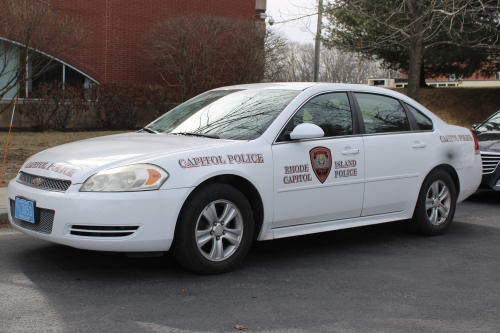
x,y
259,161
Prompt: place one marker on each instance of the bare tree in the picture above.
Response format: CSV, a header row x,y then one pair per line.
x,y
335,66
348,67
197,53
256,53
185,52
276,45
301,63
32,33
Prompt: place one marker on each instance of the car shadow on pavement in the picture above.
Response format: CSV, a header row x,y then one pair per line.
x,y
484,198
111,265
108,266
382,271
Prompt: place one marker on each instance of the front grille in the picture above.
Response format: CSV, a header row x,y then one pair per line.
x,y
44,219
49,184
490,162
102,231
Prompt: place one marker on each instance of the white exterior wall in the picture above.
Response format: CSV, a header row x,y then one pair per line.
x,y
391,83
8,63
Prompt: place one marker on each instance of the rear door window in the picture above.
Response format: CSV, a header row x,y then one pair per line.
x,y
382,114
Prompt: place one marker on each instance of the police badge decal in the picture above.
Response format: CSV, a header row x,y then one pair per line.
x,y
321,161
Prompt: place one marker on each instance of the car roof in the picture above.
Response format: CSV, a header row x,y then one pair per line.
x,y
300,86
273,85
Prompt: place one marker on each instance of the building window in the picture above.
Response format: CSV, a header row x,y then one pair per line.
x,y
53,71
56,73
73,78
497,76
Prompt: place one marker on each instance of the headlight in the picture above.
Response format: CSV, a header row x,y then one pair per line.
x,y
135,177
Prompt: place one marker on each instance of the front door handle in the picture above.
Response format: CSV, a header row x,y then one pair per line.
x,y
417,144
351,151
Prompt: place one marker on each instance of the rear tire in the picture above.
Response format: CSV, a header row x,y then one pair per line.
x,y
214,230
435,206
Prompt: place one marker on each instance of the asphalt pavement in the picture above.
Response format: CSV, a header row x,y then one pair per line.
x,y
371,279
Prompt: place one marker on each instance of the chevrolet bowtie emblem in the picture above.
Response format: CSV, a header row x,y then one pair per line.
x,y
36,181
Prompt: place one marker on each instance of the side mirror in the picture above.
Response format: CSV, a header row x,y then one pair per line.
x,y
306,131
474,126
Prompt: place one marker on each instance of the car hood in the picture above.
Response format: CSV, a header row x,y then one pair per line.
x,y
488,142
77,161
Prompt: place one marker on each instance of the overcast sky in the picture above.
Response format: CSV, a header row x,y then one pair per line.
x,y
300,30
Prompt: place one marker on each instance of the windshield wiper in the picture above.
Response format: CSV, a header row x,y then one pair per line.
x,y
211,136
149,130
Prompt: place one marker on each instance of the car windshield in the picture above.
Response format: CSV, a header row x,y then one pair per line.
x,y
492,125
226,114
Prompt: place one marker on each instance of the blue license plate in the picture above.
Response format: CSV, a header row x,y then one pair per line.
x,y
25,210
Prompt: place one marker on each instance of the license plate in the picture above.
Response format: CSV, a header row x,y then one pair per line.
x,y
25,210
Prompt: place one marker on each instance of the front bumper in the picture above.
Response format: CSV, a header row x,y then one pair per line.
x,y
154,213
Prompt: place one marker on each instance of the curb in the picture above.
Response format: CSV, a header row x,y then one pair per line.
x,y
4,221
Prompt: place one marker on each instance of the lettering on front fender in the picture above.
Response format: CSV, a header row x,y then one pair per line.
x,y
54,167
195,162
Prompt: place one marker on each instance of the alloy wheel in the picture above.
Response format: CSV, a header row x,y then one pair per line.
x,y
219,230
438,202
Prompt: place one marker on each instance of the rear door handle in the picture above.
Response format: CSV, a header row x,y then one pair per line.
x,y
417,144
351,151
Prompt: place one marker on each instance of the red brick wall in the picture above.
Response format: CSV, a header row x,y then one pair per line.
x,y
113,53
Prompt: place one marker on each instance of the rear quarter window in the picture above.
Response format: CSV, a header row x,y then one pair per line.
x,y
424,123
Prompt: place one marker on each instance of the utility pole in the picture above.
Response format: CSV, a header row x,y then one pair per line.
x,y
318,41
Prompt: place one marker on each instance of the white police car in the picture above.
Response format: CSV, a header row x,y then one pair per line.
x,y
246,162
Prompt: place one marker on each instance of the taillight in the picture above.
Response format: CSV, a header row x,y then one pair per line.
x,y
476,144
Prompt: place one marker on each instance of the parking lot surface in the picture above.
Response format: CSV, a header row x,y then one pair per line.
x,y
371,279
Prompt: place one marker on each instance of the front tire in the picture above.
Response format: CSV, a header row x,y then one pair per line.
x,y
214,230
436,205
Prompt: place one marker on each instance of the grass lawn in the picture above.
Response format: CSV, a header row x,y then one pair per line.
x,y
24,144
460,106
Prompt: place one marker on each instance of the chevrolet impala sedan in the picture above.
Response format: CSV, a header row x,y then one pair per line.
x,y
250,162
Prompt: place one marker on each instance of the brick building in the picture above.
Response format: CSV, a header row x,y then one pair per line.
x,y
118,27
